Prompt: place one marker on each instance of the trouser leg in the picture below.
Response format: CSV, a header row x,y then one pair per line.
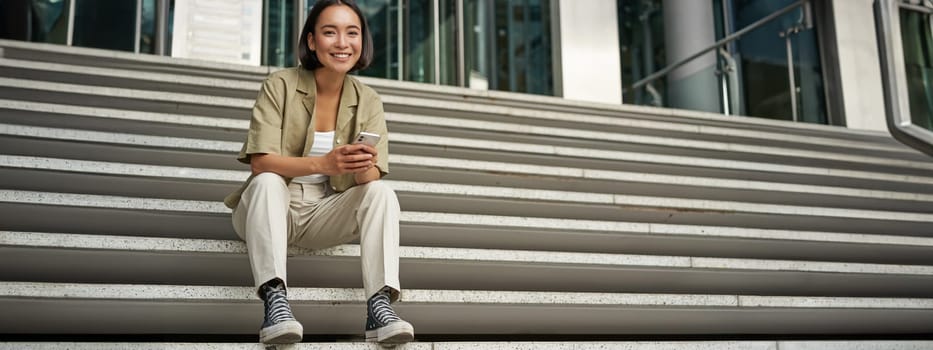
x,y
369,212
262,220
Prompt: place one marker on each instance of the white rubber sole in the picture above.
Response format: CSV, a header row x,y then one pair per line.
x,y
398,332
288,332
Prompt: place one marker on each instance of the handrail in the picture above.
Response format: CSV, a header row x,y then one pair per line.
x,y
732,37
894,76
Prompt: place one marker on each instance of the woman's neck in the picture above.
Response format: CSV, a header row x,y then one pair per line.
x,y
328,82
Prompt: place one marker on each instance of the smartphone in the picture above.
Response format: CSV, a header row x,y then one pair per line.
x,y
367,138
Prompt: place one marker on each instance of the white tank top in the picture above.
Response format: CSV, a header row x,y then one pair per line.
x,y
323,143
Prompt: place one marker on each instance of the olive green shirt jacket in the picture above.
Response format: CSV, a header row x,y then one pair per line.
x,y
283,122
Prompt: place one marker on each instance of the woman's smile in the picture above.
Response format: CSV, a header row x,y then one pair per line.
x,y
337,40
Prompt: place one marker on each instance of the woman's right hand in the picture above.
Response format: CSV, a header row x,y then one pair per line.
x,y
347,159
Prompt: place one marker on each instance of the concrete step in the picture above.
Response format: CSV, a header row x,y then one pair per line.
x,y
536,155
74,308
118,215
657,222
508,104
77,176
128,259
125,78
215,129
138,180
214,106
597,176
458,171
510,345
63,73
641,163
422,196
55,53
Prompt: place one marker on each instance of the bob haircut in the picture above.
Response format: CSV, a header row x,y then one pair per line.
x,y
309,59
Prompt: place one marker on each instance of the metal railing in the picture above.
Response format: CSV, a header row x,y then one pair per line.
x,y
894,74
720,47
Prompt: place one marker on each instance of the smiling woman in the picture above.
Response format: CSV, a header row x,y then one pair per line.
x,y
311,187
338,30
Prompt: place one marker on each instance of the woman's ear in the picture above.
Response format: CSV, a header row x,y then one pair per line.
x,y
311,41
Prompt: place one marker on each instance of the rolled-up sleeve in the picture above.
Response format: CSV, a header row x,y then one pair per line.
x,y
265,126
376,123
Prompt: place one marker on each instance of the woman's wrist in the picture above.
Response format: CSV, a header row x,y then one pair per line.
x,y
372,174
316,165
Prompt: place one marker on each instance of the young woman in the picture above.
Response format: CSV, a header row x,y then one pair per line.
x,y
311,185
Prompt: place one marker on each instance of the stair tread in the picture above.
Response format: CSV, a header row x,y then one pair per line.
x,y
186,245
164,142
501,345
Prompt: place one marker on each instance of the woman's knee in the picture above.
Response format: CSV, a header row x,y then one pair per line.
x,y
380,189
267,181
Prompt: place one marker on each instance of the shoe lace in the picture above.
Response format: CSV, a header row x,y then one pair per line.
x,y
277,308
382,311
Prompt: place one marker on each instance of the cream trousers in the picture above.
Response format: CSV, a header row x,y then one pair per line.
x,y
272,215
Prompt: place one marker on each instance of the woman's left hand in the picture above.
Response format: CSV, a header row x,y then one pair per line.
x,y
372,173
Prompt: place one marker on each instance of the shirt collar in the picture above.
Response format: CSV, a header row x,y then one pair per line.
x,y
349,96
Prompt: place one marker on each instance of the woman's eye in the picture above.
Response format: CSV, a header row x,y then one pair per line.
x,y
353,33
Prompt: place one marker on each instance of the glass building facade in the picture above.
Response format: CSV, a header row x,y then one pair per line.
x,y
917,41
774,70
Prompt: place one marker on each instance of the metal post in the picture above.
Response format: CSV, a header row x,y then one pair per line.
x,y
489,33
510,46
726,74
790,71
647,56
161,27
401,39
265,57
461,45
723,71
557,69
301,11
139,23
71,22
283,23
437,41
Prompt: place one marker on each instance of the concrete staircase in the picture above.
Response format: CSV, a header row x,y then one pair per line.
x,y
528,222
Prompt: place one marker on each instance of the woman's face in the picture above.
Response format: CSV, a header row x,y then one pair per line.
x,y
337,38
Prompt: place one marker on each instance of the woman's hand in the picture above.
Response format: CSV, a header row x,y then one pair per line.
x,y
372,173
348,159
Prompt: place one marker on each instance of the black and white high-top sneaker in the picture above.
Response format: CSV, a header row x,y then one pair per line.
x,y
383,325
279,325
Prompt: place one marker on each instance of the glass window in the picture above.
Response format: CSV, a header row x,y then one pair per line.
x,y
641,46
105,24
34,20
918,65
382,17
448,42
476,40
147,29
280,37
171,26
751,75
762,59
418,43
508,45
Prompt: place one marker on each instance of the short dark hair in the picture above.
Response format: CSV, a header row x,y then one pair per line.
x,y
309,59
